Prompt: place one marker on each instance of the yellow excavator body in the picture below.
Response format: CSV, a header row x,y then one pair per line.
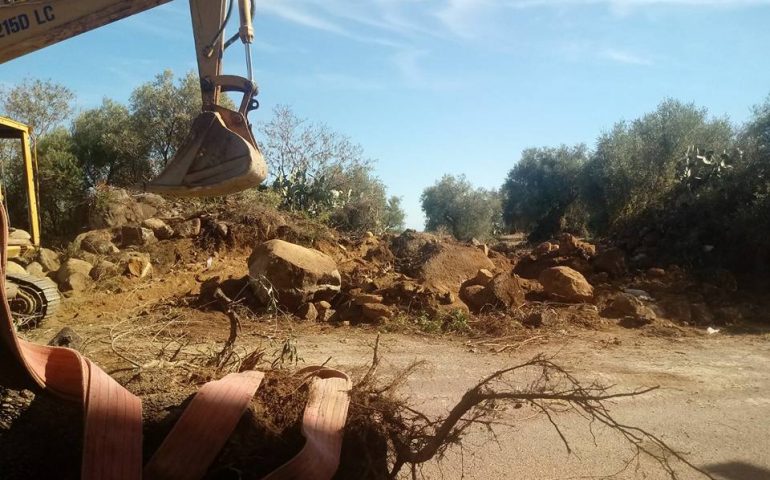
x,y
13,130
31,298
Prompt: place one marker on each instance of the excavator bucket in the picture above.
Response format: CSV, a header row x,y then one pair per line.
x,y
219,157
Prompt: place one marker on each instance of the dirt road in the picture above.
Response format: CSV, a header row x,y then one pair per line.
x,y
713,404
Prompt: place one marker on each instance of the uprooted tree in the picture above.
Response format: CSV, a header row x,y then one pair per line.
x,y
381,421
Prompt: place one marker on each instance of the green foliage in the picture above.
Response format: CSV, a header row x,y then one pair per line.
x,y
323,173
162,111
465,212
41,104
63,191
455,321
108,147
636,164
675,183
540,192
394,217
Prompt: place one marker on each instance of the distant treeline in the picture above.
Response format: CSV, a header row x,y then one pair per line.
x,y
675,184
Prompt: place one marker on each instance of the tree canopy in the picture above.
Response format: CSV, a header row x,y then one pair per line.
x,y
466,212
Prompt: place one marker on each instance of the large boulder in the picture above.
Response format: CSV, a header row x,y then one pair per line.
x,y
98,242
376,312
73,275
504,291
447,265
564,283
291,274
531,266
501,292
115,207
14,268
35,269
48,259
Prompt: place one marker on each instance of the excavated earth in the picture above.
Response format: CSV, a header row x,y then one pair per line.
x,y
466,309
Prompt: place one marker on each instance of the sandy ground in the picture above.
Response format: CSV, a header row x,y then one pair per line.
x,y
713,404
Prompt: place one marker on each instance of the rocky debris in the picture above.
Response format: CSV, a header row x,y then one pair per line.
x,y
570,251
104,269
545,248
413,296
137,265
376,312
409,245
572,245
325,311
136,236
14,268
186,228
630,308
481,246
539,319
292,274
48,259
676,307
727,315
68,338
98,242
307,312
531,266
73,275
159,228
115,207
35,269
222,229
564,283
612,261
363,298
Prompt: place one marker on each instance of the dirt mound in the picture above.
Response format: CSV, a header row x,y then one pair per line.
x,y
410,274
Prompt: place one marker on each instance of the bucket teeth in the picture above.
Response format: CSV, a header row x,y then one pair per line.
x,y
214,160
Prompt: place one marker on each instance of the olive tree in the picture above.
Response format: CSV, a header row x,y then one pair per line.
x,y
41,104
636,164
540,192
162,112
466,212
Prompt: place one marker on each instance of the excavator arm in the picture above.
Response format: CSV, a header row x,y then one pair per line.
x,y
220,155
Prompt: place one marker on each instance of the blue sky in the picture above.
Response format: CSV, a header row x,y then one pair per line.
x,y
450,86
